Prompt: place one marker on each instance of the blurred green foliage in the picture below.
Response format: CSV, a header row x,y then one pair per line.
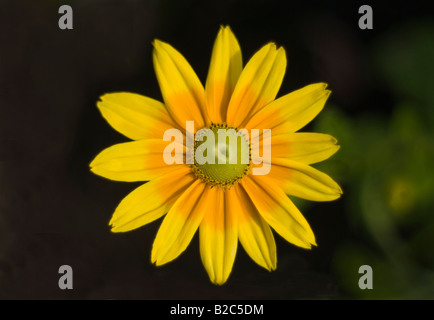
x,y
386,167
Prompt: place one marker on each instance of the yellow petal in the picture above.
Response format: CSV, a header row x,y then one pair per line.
x,y
304,147
224,71
258,84
218,236
181,222
140,160
135,116
292,111
151,200
278,210
254,233
182,91
303,181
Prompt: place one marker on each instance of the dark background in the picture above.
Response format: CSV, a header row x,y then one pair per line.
x,y
54,211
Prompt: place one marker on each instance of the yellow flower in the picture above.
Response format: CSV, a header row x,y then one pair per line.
x,y
225,207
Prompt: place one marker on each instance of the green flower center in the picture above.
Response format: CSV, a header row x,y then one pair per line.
x,y
222,155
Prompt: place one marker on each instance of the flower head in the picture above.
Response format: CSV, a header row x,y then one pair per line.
x,y
226,202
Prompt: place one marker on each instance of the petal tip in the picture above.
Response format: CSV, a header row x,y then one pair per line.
x,y
158,263
99,103
223,28
219,282
153,256
281,50
157,43
159,47
272,45
157,257
116,229
94,169
92,164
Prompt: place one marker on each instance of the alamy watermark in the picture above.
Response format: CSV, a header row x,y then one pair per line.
x,y
65,21
222,145
366,280
65,281
366,20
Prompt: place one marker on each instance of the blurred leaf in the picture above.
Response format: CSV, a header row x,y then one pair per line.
x,y
332,121
387,166
404,59
391,279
